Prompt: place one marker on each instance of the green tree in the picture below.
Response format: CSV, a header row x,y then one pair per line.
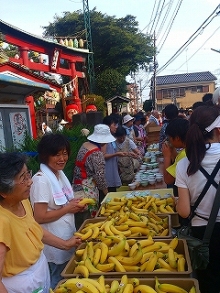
x,y
110,83
118,44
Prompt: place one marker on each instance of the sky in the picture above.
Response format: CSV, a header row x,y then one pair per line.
x,y
31,15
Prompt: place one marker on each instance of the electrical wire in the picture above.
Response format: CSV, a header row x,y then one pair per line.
x,y
159,15
197,49
158,6
168,29
191,39
170,4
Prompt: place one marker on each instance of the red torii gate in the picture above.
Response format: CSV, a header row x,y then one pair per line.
x,y
74,57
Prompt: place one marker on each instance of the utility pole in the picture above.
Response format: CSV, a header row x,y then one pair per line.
x,y
90,58
154,83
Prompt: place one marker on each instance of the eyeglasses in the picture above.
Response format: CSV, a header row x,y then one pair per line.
x,y
25,177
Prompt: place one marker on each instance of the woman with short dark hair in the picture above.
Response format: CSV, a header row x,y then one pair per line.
x,y
23,266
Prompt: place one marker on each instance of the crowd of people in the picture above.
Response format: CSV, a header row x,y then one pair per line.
x,y
40,214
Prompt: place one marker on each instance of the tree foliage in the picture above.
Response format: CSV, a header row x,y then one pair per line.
x,y
110,83
117,42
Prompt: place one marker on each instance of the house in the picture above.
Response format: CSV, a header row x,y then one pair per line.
x,y
183,89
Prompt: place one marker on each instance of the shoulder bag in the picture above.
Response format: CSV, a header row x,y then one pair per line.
x,y
199,249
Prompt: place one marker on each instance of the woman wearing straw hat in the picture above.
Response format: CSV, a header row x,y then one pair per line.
x,y
89,172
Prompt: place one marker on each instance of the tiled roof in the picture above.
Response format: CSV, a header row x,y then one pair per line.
x,y
185,78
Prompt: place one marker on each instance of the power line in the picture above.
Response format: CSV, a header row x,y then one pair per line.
x,y
192,38
198,49
167,31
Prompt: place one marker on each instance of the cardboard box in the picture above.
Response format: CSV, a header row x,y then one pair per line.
x,y
103,219
186,284
180,249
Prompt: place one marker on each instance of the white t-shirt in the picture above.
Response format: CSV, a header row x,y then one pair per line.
x,y
196,182
41,192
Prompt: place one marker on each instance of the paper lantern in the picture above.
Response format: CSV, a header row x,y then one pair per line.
x,y
71,110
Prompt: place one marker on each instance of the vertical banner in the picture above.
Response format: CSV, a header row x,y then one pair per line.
x,y
19,127
2,136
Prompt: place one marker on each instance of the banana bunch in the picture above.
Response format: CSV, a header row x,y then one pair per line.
x,y
86,200
122,285
127,225
117,254
138,205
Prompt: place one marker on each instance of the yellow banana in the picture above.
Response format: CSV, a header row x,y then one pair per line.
x,y
169,209
95,233
171,288
146,242
96,284
192,290
174,242
97,256
106,267
107,229
104,253
101,281
140,230
133,249
134,216
114,286
124,281
84,256
154,216
154,226
79,252
163,210
133,260
122,227
157,283
91,267
164,232
181,264
90,250
164,265
139,211
144,289
102,211
87,201
134,281
132,223
113,203
171,258
129,288
160,201
84,236
117,248
131,268
131,241
82,270
151,263
146,256
118,266
151,248
122,219
75,284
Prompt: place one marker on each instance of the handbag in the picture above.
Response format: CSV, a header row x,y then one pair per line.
x,y
199,249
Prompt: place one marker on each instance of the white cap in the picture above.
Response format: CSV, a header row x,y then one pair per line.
x,y
63,122
127,118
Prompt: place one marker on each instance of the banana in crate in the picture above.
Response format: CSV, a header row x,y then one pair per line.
x,y
128,225
119,255
125,284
